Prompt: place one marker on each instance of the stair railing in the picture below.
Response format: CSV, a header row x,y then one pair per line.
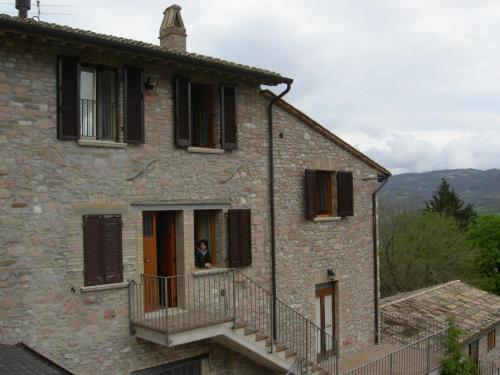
x,y
217,296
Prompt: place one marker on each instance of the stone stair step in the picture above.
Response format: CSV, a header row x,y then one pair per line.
x,y
250,331
290,353
240,324
260,336
279,348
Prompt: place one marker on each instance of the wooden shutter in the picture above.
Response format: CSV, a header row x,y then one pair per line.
x,y
92,257
345,194
310,182
133,105
182,112
240,238
229,131
112,249
68,98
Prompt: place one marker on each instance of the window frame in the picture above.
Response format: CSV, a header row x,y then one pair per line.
x,y
213,233
210,112
96,128
329,193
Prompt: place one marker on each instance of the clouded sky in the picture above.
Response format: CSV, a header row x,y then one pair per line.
x,y
415,84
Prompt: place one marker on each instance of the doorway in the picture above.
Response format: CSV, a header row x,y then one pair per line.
x,y
326,317
160,284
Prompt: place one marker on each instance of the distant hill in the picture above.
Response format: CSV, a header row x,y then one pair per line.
x,y
482,188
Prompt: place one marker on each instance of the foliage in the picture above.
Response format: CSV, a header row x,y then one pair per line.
x,y
455,363
485,236
419,250
446,202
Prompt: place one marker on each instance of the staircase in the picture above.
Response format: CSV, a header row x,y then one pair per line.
x,y
229,308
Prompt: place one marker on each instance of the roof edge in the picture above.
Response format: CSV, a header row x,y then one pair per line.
x,y
419,292
325,132
69,34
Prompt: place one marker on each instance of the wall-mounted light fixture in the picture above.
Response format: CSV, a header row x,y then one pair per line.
x,y
331,274
151,83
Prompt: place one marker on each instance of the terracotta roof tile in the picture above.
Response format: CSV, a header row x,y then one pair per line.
x,y
474,310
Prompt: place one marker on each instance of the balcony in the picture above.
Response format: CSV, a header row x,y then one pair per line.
x,y
232,309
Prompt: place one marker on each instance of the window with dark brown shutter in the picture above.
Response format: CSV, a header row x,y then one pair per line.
x,y
240,238
182,112
345,194
229,137
133,106
68,100
102,244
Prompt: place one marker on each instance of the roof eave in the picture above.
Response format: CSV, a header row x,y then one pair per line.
x,y
68,36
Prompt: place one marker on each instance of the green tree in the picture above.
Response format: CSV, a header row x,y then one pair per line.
x,y
446,202
419,250
485,236
455,363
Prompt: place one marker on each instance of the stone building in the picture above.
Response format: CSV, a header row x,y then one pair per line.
x,y
476,313
118,157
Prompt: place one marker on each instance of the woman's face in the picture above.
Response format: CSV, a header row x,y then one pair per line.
x,y
203,246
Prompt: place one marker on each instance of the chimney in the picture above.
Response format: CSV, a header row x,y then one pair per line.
x,y
23,6
172,30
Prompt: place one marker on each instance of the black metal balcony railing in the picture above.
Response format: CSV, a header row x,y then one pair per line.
x,y
98,119
224,296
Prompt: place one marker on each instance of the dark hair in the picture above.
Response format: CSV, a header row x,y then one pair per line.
x,y
202,241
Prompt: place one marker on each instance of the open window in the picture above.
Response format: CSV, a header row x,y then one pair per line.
x,y
202,126
324,189
195,115
98,103
206,228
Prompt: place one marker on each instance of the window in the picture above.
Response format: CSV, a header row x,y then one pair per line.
x,y
102,249
324,193
321,194
191,366
491,340
474,351
205,229
86,102
98,103
202,116
194,115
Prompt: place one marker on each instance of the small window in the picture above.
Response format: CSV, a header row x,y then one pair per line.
x,y
323,189
474,351
202,116
98,103
102,249
205,223
324,202
491,340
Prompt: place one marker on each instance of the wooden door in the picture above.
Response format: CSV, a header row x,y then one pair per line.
x,y
325,317
167,267
150,282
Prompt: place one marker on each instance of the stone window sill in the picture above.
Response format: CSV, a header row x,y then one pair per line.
x,y
205,150
98,288
99,143
208,271
320,219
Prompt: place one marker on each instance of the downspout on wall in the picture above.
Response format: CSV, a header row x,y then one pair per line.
x,y
271,201
383,179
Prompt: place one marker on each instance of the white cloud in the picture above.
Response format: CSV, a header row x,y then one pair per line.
x,y
397,78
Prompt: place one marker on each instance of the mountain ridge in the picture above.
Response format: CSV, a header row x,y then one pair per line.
x,y
479,187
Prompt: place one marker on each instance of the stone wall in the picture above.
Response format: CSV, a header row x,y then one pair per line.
x,y
306,249
47,185
492,356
